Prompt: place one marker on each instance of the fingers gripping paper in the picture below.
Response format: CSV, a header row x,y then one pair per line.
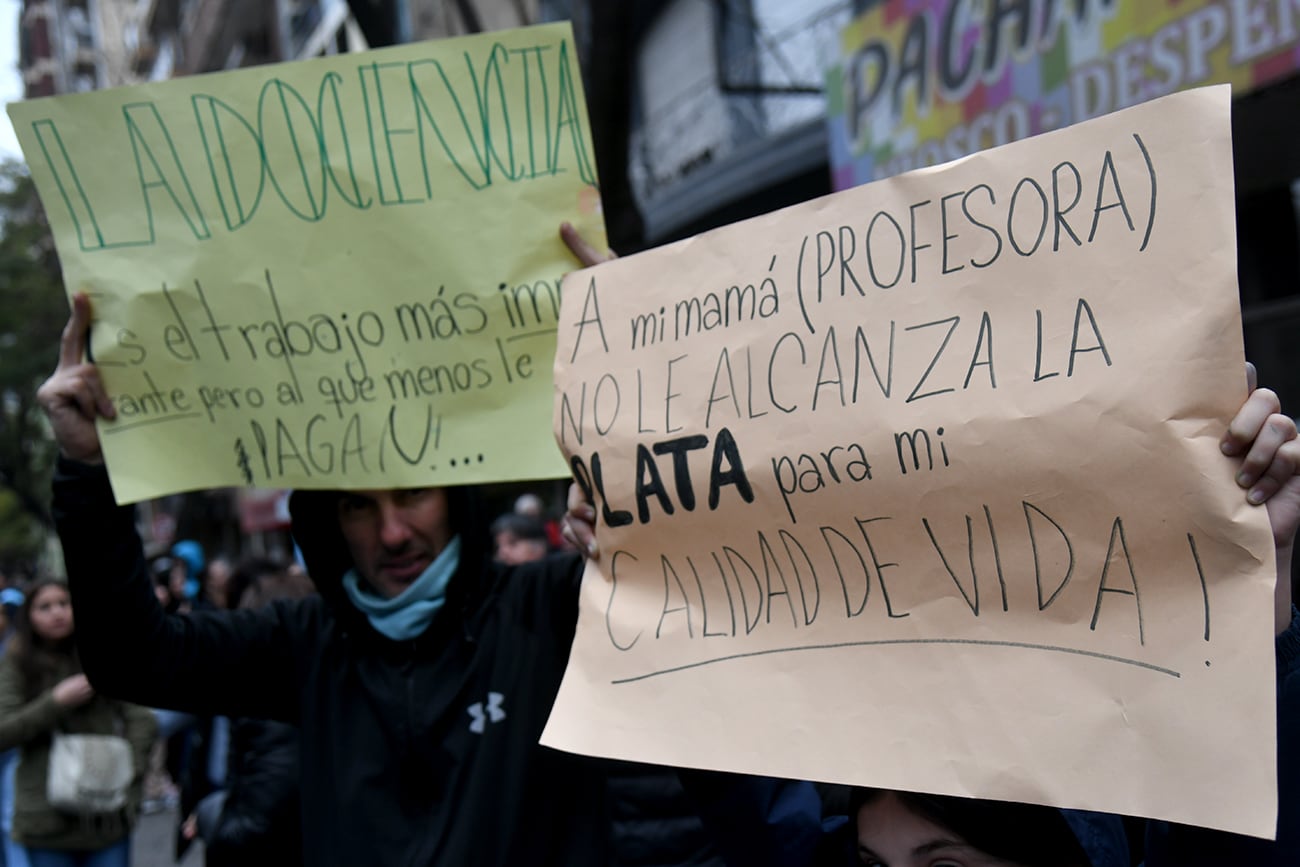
x,y
341,271
918,486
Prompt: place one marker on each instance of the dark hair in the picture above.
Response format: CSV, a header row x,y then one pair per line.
x,y
39,661
1029,835
269,584
523,527
247,574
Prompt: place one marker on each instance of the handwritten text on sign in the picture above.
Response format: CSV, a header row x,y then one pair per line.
x,y
343,271
918,485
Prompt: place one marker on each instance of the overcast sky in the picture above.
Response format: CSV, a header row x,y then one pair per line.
x,y
11,82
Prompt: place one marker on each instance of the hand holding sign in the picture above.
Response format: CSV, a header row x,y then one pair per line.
x,y
1270,471
73,397
1267,439
583,249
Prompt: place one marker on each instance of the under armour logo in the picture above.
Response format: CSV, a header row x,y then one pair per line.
x,y
479,720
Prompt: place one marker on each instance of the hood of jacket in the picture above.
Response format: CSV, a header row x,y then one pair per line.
x,y
315,527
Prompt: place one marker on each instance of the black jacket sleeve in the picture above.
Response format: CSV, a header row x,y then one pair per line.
x,y
233,663
259,821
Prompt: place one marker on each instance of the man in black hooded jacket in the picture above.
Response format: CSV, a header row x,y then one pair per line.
x,y
417,751
420,678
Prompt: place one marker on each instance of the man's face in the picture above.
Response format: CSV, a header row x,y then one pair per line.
x,y
394,534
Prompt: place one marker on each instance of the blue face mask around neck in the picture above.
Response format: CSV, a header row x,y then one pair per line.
x,y
404,616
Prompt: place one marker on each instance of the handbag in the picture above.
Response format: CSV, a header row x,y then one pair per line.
x,y
89,774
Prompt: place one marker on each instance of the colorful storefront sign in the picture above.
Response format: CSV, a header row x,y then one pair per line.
x,y
921,82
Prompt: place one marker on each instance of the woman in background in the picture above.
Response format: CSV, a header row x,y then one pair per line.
x,y
43,691
903,829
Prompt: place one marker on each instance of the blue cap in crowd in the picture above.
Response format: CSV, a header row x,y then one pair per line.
x,y
191,554
11,598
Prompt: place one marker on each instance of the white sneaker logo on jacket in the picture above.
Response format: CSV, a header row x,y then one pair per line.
x,y
479,719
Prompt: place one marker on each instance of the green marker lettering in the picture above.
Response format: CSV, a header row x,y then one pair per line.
x,y
149,137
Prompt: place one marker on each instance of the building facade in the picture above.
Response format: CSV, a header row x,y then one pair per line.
x,y
70,46
184,37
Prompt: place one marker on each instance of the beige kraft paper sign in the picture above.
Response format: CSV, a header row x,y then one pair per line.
x,y
918,486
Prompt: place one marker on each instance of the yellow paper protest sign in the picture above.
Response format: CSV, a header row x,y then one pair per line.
x,y
344,271
918,486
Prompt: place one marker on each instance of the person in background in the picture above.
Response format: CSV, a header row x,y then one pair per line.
x,y
161,569
11,854
160,790
43,690
905,829
196,753
188,562
518,539
216,584
11,602
531,506
254,822
250,571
